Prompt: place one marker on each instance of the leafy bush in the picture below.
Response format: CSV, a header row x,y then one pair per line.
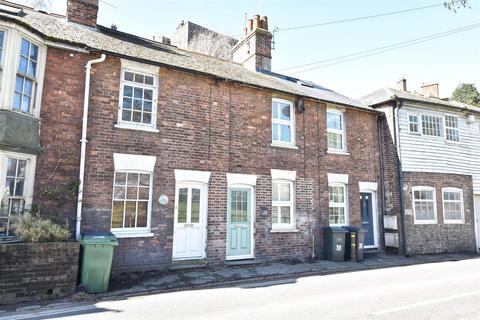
x,y
33,228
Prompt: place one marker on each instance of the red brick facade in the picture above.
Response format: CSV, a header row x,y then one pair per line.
x,y
225,128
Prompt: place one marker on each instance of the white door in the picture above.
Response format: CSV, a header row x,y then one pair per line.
x,y
189,224
477,221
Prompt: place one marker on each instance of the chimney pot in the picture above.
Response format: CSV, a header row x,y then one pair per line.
x,y
402,84
249,26
264,22
256,22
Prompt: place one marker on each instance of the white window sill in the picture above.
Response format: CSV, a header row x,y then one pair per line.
x,y
283,230
135,127
283,145
338,152
453,222
424,222
132,234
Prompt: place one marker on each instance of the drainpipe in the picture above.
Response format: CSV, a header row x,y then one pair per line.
x,y
382,167
398,106
83,148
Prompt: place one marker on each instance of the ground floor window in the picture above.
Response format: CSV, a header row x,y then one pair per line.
x,y
424,205
452,205
131,200
282,204
337,205
15,188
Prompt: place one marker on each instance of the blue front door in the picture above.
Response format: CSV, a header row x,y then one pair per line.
x,y
239,244
367,218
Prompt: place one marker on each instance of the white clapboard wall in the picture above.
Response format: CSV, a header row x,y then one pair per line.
x,y
435,154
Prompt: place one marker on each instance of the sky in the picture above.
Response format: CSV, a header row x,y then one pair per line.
x,y
447,60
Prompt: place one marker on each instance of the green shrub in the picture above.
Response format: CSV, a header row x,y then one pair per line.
x,y
33,228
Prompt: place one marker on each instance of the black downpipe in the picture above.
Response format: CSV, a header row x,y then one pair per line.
x,y
382,168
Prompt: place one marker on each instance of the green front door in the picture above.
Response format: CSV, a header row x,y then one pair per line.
x,y
239,216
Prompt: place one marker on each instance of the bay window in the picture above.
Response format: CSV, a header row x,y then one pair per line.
x,y
26,78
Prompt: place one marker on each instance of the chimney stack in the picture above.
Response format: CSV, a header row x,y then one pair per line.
x,y
254,49
402,84
83,12
430,90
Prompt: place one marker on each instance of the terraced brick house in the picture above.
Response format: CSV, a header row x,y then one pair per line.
x,y
181,155
434,144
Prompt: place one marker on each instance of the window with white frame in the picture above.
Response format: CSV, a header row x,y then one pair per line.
x,y
335,130
282,204
138,98
424,205
16,184
413,124
283,125
26,79
452,132
431,125
337,205
452,205
131,200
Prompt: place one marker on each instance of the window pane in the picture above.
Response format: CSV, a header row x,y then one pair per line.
x,y
24,48
19,84
130,210
149,80
129,76
285,215
25,104
22,167
22,67
274,215
139,78
285,111
335,141
117,214
10,186
137,117
19,187
195,213
28,87
182,205
32,69
138,93
334,121
132,193
336,215
120,178
137,104
275,109
144,180
127,103
127,91
147,106
132,179
17,101
11,167
142,214
33,52
143,193
284,192
148,94
275,129
119,193
285,133
126,115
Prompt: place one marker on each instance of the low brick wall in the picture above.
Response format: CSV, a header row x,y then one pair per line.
x,y
35,271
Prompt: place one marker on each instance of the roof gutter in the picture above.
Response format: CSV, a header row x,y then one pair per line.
x,y
83,141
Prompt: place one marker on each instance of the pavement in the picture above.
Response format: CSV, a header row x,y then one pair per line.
x,y
447,289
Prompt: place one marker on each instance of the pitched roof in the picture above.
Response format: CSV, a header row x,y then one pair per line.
x,y
122,44
386,94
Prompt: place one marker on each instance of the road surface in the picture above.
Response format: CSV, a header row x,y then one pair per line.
x,y
447,290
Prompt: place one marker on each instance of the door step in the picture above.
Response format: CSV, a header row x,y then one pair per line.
x,y
187,264
373,252
242,262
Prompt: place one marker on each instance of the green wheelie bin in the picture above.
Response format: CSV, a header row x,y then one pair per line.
x,y
334,243
97,254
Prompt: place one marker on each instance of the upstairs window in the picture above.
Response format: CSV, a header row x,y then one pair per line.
x,y
431,125
138,98
282,204
413,124
282,122
452,205
452,132
424,205
26,78
335,131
